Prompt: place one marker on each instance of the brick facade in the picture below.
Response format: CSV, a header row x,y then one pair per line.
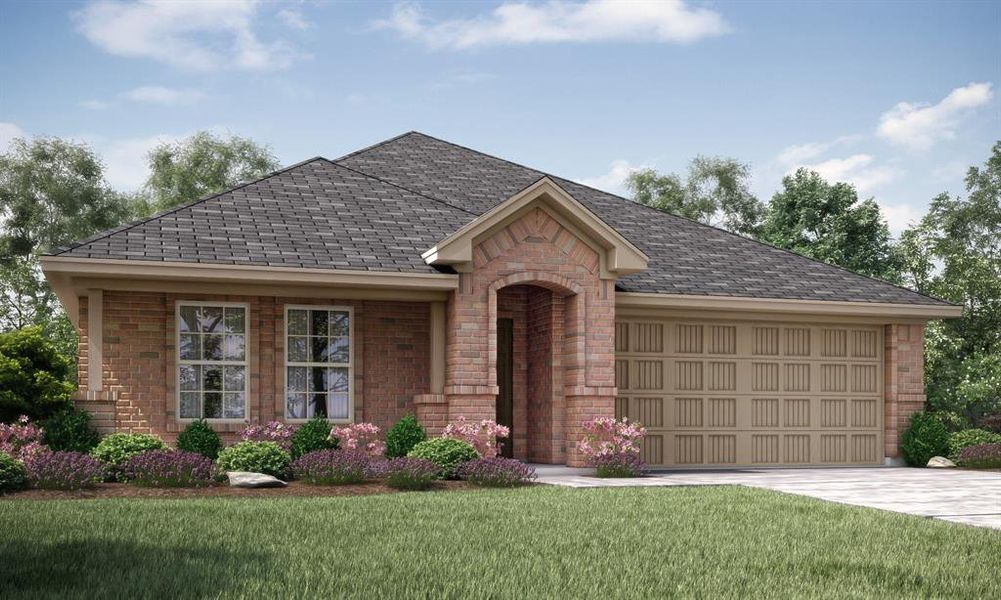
x,y
903,372
535,250
390,364
534,271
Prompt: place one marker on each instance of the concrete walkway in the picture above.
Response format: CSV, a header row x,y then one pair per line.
x,y
971,497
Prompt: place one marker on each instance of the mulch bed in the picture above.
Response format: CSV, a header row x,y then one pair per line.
x,y
221,490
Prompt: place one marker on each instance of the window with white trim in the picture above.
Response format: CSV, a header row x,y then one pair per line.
x,y
318,362
212,360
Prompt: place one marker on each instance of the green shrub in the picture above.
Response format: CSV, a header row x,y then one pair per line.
x,y
255,457
962,440
925,437
117,448
35,380
403,436
447,454
70,430
313,435
200,438
13,475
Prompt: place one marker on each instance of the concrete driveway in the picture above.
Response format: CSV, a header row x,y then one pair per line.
x,y
971,497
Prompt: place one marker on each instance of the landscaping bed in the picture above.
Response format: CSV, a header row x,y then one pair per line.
x,y
220,490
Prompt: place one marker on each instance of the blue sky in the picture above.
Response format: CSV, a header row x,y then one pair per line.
x,y
898,98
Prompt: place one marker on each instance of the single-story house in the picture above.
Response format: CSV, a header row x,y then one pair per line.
x,y
419,276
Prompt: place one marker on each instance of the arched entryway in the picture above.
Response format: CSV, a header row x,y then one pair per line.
x,y
531,318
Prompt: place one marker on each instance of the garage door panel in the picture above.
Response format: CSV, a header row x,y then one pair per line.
x,y
745,393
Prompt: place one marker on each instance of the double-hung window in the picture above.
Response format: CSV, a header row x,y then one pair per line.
x,y
318,362
212,373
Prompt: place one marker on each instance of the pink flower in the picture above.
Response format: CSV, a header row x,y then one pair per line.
x,y
482,436
606,436
360,436
21,439
273,431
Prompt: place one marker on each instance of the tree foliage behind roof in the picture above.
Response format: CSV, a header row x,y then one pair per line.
x,y
202,165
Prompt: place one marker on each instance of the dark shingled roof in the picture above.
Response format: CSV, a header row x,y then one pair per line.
x,y
379,208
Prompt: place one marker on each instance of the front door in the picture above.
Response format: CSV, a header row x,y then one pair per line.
x,y
505,381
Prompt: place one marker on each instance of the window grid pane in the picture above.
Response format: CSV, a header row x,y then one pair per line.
x,y
212,357
318,352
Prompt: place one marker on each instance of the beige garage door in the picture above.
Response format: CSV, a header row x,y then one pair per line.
x,y
719,393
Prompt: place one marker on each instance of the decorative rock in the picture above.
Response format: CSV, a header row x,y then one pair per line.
x,y
244,479
940,462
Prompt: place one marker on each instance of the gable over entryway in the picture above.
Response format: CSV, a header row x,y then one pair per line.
x,y
542,260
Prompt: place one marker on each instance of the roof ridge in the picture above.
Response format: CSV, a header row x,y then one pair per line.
x,y
131,225
375,145
408,190
657,211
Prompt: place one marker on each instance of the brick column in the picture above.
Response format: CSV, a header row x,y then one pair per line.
x,y
903,372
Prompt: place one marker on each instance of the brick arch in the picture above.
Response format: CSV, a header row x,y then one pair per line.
x,y
554,282
576,316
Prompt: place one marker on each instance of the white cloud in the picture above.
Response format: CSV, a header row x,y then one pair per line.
x,y
200,36
803,152
560,21
9,131
899,216
857,169
614,181
157,94
125,163
293,19
921,126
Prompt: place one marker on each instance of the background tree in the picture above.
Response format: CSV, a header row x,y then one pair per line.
x,y
52,192
955,253
828,222
202,165
716,192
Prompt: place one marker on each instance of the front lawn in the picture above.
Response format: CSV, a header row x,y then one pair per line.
x,y
528,542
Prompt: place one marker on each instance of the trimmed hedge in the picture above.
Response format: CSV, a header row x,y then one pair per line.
x,y
200,438
313,435
962,440
12,474
925,437
403,436
255,457
446,453
117,448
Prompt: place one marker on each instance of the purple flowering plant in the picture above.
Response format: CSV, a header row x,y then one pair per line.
x,y
336,467
496,472
410,473
63,470
273,431
168,468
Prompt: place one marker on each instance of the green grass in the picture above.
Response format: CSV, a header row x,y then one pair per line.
x,y
526,543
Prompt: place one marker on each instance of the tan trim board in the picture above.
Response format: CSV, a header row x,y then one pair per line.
x,y
887,311
249,289
95,340
245,273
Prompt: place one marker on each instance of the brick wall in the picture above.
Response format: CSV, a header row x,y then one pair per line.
x,y
904,381
391,360
533,250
